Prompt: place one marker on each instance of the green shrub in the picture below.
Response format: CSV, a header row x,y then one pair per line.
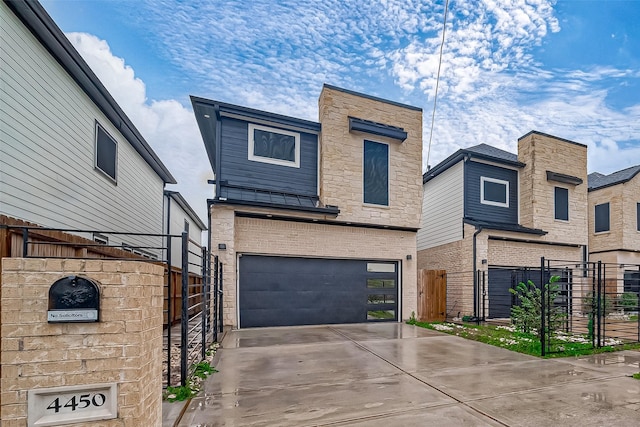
x,y
527,317
629,301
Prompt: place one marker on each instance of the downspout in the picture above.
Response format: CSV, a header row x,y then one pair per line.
x,y
475,274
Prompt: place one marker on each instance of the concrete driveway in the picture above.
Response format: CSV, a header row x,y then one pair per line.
x,y
391,374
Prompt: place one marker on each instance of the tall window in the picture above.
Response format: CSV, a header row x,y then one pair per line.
x,y
275,146
106,153
602,217
376,173
494,192
638,216
561,202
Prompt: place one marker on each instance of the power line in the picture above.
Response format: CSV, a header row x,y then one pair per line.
x,y
435,97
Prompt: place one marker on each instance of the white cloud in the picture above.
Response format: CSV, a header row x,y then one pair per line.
x,y
168,127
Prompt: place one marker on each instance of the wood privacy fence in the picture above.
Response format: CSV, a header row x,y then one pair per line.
x,y
432,295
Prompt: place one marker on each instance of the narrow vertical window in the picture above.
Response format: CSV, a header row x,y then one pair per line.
x,y
561,202
376,173
106,159
602,217
638,216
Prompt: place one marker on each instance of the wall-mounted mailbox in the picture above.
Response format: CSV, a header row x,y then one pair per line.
x,y
74,299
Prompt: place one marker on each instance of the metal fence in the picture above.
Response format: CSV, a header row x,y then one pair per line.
x,y
594,303
193,283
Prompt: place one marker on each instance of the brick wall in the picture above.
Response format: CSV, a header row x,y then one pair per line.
x,y
125,347
274,237
542,153
341,175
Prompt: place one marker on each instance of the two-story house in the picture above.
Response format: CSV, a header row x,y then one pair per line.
x,y
69,156
485,209
179,217
315,222
614,225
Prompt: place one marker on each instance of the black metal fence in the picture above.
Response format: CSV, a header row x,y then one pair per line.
x,y
193,280
592,303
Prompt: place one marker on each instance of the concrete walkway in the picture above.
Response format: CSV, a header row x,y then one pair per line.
x,y
399,375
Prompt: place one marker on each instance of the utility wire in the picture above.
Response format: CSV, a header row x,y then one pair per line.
x,y
435,97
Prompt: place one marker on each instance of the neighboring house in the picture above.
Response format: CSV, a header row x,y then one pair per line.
x,y
315,222
484,209
69,156
179,217
614,225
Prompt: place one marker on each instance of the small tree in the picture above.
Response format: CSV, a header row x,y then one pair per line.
x,y
527,316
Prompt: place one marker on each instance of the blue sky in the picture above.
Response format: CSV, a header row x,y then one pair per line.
x,y
570,68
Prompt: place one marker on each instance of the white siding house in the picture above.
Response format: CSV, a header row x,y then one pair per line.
x,y
180,216
69,156
442,209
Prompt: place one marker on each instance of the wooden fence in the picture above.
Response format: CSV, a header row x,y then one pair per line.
x,y
432,295
45,243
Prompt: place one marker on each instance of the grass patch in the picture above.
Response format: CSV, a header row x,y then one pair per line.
x,y
636,376
562,345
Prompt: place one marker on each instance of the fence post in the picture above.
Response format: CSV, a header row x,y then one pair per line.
x,y
205,302
184,318
484,294
599,304
220,301
25,242
169,310
543,341
215,298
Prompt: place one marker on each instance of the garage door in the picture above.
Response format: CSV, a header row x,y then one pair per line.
x,y
283,291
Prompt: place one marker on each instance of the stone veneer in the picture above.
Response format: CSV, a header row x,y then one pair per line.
x,y
542,153
341,158
124,347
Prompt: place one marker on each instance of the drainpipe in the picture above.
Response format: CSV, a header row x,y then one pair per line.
x,y
475,274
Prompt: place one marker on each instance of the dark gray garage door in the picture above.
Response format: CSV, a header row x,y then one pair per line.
x,y
283,291
502,279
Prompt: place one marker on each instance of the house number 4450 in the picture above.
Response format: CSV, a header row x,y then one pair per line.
x,y
78,402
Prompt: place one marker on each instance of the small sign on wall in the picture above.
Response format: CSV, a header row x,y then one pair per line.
x,y
75,404
74,299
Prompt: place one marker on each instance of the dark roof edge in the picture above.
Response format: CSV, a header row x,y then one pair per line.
x,y
38,21
515,228
258,114
374,98
535,132
323,222
325,210
186,207
459,155
611,184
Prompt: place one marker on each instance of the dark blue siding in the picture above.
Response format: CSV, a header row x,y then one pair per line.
x,y
474,209
237,169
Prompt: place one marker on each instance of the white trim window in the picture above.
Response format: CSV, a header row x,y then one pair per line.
x,y
494,192
106,154
274,146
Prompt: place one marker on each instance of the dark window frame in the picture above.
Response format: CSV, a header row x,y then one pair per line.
x,y
106,157
561,203
602,222
371,184
638,216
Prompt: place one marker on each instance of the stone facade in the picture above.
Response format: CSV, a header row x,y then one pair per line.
x,y
124,347
542,153
341,159
623,228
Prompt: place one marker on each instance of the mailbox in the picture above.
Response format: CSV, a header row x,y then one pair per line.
x,y
74,299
